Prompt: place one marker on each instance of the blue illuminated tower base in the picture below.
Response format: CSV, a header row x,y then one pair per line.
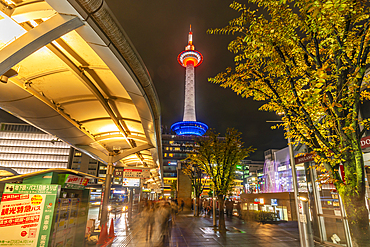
x,y
189,128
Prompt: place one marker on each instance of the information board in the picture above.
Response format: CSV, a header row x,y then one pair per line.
x,y
26,214
136,173
131,182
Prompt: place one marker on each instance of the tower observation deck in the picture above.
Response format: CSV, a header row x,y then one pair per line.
x,y
189,58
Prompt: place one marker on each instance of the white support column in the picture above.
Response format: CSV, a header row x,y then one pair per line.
x,y
37,38
107,186
189,106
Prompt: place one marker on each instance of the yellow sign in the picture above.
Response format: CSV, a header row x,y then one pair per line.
x,y
36,200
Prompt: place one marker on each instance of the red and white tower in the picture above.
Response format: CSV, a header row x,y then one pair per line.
x,y
189,58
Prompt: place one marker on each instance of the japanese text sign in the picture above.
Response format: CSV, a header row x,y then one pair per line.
x,y
26,214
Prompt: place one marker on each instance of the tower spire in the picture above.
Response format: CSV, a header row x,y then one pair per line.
x,y
190,45
190,58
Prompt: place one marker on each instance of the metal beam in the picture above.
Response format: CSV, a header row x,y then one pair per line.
x,y
94,152
90,85
131,151
36,38
107,118
48,102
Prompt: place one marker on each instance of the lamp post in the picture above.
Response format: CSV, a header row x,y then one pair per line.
x,y
195,196
214,208
304,237
295,188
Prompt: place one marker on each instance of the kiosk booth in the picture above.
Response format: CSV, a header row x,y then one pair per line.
x,y
47,208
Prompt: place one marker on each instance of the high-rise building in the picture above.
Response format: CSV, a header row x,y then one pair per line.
x,y
26,149
190,59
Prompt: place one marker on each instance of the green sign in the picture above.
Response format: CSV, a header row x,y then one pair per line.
x,y
26,214
239,167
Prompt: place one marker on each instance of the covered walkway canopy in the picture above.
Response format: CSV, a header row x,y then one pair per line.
x,y
68,68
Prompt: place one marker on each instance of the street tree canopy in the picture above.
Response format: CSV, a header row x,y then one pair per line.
x,y
308,60
218,157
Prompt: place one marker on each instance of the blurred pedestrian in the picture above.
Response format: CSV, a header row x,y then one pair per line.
x,y
174,210
182,205
164,222
229,208
238,208
148,218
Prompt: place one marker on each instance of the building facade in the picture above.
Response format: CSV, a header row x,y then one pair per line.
x,y
26,149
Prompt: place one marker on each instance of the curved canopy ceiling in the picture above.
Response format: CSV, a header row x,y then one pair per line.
x,y
71,71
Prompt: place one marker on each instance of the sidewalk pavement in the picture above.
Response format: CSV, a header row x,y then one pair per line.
x,y
188,230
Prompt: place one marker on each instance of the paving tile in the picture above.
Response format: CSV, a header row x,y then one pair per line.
x,y
189,231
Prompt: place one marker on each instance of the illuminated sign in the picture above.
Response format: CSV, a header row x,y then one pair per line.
x,y
274,202
118,173
131,182
282,168
119,192
172,163
70,181
136,173
239,167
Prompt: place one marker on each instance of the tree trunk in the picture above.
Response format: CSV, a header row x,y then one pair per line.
x,y
221,220
353,196
358,218
197,204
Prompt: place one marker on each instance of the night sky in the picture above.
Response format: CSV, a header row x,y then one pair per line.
x,y
159,31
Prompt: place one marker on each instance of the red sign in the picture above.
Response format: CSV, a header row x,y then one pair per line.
x,y
77,180
12,197
365,142
303,159
118,173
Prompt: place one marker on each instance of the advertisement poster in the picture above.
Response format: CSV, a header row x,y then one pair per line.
x,y
26,214
69,181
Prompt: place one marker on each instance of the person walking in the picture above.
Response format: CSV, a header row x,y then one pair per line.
x,y
229,208
148,218
165,223
205,206
182,205
238,208
174,211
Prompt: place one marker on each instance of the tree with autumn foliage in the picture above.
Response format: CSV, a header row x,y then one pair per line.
x,y
195,174
218,157
307,59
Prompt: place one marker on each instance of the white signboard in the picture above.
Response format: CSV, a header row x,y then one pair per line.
x,y
302,218
131,182
136,173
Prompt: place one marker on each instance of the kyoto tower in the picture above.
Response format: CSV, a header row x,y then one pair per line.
x,y
190,58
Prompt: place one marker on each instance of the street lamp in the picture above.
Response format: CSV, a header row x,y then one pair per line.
x,y
303,235
195,196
